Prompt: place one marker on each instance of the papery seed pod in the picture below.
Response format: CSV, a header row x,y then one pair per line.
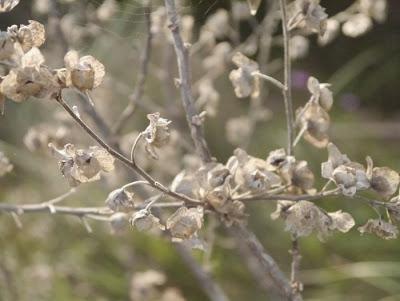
x,y
157,134
31,35
30,79
85,73
184,223
244,83
380,228
316,121
81,166
143,220
384,181
120,200
342,221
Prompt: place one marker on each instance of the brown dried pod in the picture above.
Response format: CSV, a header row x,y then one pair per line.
x,y
380,228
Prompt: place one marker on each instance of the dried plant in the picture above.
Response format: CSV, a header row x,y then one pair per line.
x,y
202,187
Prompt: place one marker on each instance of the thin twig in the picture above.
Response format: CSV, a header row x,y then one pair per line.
x,y
265,261
143,71
287,93
270,79
182,56
297,286
117,155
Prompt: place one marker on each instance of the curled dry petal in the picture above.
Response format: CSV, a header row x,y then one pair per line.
x,y
185,223
120,200
380,228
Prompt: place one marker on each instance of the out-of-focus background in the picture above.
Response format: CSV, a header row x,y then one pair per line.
x,y
54,258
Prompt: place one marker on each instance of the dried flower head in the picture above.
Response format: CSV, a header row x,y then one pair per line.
x,y
120,200
185,223
7,5
308,15
29,79
244,83
251,173
28,36
349,176
315,122
143,220
80,165
380,228
5,165
157,134
85,73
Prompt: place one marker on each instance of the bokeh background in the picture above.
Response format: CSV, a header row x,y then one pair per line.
x,y
54,258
